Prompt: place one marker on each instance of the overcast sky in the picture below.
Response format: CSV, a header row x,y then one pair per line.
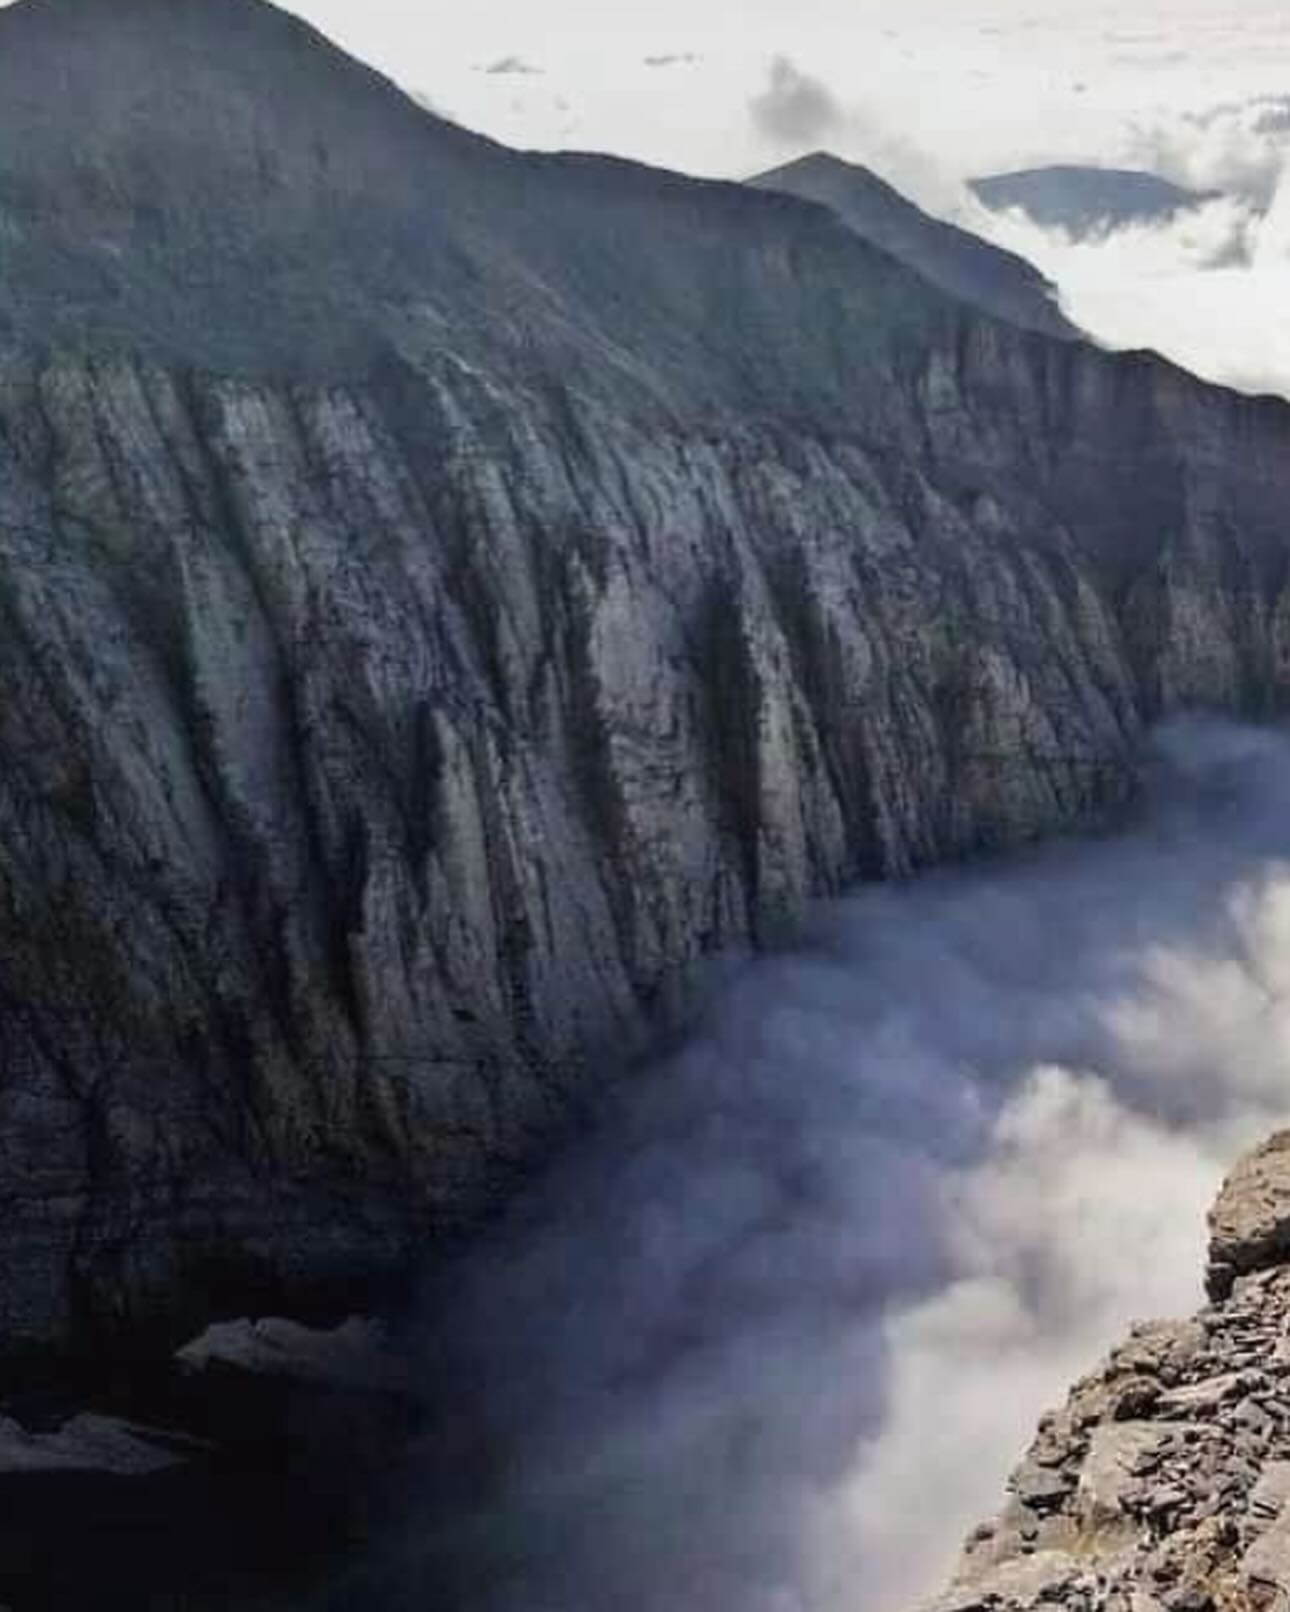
x,y
679,82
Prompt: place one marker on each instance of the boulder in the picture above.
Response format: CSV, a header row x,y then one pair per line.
x,y
1249,1225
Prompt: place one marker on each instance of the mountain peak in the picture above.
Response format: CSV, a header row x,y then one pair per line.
x,y
121,88
1087,199
820,165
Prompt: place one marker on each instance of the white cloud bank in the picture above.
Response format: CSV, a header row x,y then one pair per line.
x,y
1209,288
771,1341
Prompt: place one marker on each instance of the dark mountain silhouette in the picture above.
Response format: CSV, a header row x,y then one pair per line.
x,y
1086,201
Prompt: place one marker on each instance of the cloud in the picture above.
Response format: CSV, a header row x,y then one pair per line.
x,y
1276,119
1238,147
511,65
1206,288
794,108
769,1340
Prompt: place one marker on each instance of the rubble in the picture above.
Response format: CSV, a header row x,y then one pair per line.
x,y
1163,1484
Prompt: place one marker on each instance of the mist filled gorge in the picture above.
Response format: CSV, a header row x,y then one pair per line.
x,y
644,851
773,1335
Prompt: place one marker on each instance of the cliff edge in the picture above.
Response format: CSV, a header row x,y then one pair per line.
x,y
1163,1484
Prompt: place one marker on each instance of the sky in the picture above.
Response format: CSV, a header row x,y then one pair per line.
x,y
974,86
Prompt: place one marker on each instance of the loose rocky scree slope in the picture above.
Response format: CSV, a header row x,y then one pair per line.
x,y
1163,1484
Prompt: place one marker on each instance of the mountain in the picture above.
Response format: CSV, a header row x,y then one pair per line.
x,y
984,276
1164,1482
1087,202
448,595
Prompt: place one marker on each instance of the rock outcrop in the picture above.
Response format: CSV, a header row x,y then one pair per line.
x,y
1163,1484
448,594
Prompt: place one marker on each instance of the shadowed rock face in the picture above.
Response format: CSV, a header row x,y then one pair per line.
x,y
1163,1484
996,282
446,594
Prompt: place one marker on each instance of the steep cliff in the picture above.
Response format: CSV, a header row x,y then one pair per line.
x,y
446,594
1163,1485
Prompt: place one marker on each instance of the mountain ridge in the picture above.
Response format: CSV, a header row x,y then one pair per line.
x,y
986,277
1087,200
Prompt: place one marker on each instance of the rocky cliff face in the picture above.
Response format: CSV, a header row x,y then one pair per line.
x,y
1163,1484
448,594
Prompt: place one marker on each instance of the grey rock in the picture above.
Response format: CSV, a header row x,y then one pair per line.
x,y
1200,1398
1119,1454
1270,1494
1168,1498
1267,1562
1189,1599
1039,1486
1249,1225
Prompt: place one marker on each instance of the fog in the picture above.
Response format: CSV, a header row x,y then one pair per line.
x,y
770,1340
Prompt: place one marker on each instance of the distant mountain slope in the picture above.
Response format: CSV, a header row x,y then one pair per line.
x,y
448,594
984,276
1087,201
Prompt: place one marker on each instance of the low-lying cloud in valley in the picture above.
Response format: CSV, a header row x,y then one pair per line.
x,y
770,1341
